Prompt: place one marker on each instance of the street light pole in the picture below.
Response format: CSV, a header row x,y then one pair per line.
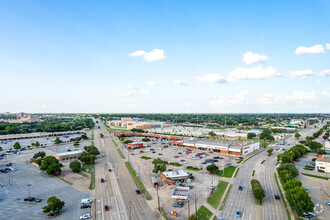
x,y
29,185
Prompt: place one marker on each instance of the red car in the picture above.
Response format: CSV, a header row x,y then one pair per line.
x,y
106,208
176,156
296,160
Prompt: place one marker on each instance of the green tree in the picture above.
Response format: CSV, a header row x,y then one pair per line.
x,y
257,189
128,141
57,141
38,161
1,149
270,151
251,135
299,200
88,159
75,166
51,165
159,165
212,134
37,144
313,145
121,139
212,168
266,135
291,184
297,135
91,149
145,139
84,136
54,205
284,158
41,154
101,135
290,167
17,146
285,175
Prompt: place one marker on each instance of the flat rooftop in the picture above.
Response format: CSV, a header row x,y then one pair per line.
x,y
175,174
221,143
69,153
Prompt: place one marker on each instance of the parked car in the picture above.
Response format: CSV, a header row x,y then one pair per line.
x,y
328,203
85,206
212,187
181,185
141,151
102,180
238,213
277,196
106,208
178,204
190,187
138,191
154,152
86,201
29,199
86,216
110,170
296,160
309,215
176,156
307,190
1,186
38,200
160,154
215,161
216,157
240,188
9,164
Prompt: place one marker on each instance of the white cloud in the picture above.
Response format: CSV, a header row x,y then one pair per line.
x,y
325,73
138,53
131,87
252,73
151,83
326,93
211,78
186,104
271,99
310,50
126,94
250,57
300,96
179,82
302,73
328,46
296,96
144,92
154,55
237,99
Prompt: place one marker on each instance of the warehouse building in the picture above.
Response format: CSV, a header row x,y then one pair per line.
x,y
68,156
135,145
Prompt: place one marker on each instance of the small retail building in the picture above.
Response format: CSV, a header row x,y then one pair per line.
x,y
323,163
135,145
68,156
175,176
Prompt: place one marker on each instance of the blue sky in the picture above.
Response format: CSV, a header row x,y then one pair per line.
x,y
165,56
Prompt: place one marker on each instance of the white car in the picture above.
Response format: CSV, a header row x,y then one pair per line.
x,y
86,201
212,187
86,216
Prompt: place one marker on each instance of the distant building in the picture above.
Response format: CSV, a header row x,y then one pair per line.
x,y
68,156
323,163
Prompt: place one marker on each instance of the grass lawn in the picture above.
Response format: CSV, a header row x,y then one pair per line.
x,y
315,176
145,158
193,168
229,171
90,169
217,194
224,200
203,213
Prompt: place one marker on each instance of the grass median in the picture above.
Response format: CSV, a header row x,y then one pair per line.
x,y
121,153
114,142
224,200
279,189
203,213
137,180
217,194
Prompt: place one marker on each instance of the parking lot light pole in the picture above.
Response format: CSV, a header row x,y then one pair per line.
x,y
29,185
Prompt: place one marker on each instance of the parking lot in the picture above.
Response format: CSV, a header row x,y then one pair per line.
x,y
173,154
43,186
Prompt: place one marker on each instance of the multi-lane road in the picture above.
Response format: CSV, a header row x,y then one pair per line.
x,y
244,200
119,187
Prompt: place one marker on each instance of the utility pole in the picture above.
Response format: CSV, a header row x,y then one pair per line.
x,y
188,209
9,178
29,185
195,208
130,214
158,199
139,171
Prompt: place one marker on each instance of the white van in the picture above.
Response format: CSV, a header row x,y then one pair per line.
x,y
86,201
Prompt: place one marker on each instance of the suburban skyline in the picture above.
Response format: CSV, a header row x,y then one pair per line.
x,y
165,56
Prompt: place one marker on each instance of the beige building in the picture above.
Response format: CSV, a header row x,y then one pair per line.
x,y
323,163
68,156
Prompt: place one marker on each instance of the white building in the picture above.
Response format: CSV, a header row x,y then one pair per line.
x,y
323,163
